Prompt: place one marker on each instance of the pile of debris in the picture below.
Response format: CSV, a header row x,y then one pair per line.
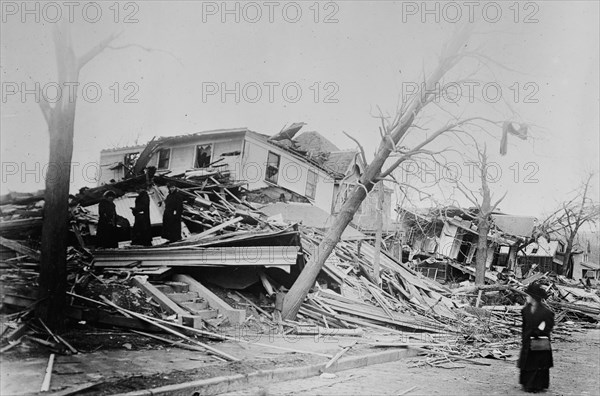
x,y
21,214
232,246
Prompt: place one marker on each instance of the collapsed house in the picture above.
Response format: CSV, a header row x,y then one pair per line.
x,y
443,242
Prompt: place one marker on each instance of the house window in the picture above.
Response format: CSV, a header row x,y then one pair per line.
x,y
129,162
164,156
203,155
311,184
272,167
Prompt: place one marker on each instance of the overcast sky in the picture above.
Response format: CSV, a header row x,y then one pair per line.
x,y
329,64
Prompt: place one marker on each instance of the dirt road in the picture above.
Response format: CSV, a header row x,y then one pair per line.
x,y
576,372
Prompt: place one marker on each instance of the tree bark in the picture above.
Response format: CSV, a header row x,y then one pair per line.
x,y
567,268
483,221
53,273
55,227
482,252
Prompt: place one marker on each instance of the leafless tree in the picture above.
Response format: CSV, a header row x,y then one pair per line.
x,y
568,219
482,202
393,132
61,121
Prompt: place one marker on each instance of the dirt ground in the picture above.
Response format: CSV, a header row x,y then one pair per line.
x,y
152,364
576,372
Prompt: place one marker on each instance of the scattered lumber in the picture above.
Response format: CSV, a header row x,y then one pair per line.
x,y
337,357
169,330
48,376
20,248
448,356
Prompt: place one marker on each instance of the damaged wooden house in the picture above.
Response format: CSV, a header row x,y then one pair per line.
x,y
300,172
442,243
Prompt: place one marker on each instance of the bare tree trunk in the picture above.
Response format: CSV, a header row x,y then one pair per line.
x,y
55,228
482,252
53,273
483,220
380,203
567,267
61,126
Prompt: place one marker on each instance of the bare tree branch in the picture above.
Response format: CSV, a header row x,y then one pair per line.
x,y
97,49
362,150
46,108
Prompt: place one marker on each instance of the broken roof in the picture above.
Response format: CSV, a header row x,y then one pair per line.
x,y
314,142
340,161
515,225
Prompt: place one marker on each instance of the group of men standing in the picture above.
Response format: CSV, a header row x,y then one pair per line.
x,y
141,234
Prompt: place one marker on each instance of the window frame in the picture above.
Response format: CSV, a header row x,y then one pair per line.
x,y
158,167
276,175
127,157
314,184
195,162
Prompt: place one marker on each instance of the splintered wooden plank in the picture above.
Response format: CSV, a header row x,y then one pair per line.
x,y
204,234
20,248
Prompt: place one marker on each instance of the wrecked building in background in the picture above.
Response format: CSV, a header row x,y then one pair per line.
x,y
443,242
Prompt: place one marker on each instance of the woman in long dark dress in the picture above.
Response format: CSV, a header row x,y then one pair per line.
x,y
106,235
142,231
171,228
535,359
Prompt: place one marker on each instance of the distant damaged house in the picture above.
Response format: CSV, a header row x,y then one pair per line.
x,y
441,239
286,167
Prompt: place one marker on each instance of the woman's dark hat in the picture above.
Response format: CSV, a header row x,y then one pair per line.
x,y
536,291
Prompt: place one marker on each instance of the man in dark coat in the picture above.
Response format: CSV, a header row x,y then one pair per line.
x,y
142,231
106,235
538,321
171,228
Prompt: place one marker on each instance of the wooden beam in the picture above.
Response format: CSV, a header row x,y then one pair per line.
x,y
20,248
226,224
48,376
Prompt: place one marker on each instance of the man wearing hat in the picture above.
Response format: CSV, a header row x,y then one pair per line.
x,y
142,227
171,228
106,236
535,359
